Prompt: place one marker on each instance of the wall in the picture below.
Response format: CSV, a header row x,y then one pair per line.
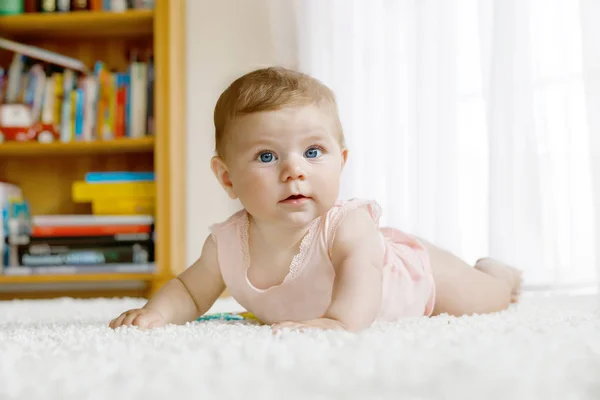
x,y
224,40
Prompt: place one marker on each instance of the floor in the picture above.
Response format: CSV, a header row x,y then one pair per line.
x,y
547,347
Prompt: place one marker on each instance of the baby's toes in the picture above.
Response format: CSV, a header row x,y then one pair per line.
x,y
516,285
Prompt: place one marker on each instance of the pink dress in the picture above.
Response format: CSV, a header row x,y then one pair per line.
x,y
305,293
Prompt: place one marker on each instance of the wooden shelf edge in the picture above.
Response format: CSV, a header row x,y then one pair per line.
x,y
58,278
87,23
114,146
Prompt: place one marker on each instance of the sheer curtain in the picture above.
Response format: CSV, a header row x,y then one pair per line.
x,y
473,123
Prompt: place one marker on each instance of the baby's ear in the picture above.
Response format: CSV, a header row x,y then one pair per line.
x,y
219,168
344,157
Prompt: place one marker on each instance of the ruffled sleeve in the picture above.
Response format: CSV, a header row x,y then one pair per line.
x,y
336,215
217,228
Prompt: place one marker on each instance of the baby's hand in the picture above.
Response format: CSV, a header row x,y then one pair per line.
x,y
140,317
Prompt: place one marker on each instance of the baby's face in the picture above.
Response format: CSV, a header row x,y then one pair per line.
x,y
285,165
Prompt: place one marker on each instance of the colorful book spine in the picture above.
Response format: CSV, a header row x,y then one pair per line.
x,y
66,130
138,103
84,192
2,81
124,206
120,100
78,130
57,82
127,103
84,219
150,98
81,269
47,5
80,5
47,255
102,240
83,230
14,78
91,177
63,5
90,102
15,220
104,127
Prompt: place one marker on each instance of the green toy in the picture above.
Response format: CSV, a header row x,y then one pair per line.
x,y
230,316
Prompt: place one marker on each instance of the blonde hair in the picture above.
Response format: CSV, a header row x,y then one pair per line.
x,y
270,89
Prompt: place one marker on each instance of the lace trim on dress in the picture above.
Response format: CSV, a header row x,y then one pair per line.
x,y
298,261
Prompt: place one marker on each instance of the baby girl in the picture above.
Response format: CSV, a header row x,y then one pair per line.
x,y
296,256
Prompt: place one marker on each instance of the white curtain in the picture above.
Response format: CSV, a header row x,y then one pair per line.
x,y
475,124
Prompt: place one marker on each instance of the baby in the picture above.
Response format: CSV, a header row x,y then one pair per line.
x,y
297,257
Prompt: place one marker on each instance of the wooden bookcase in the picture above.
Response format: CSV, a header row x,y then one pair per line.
x,y
46,172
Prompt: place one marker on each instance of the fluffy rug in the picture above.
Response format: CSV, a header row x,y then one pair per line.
x,y
544,348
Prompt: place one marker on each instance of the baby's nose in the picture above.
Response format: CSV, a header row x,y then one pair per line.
x,y
291,171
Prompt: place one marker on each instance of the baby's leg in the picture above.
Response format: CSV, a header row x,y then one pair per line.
x,y
462,289
500,270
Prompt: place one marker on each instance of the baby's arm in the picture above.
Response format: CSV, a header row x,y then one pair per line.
x,y
194,291
183,298
357,256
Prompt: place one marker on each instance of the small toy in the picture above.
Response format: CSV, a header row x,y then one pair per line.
x,y
16,124
229,316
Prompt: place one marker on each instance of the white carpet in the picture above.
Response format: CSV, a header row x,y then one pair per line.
x,y
544,348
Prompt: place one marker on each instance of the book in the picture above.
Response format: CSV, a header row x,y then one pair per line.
x,y
138,113
124,206
80,5
63,5
100,240
44,55
47,5
15,219
80,269
90,220
31,255
88,230
83,191
118,176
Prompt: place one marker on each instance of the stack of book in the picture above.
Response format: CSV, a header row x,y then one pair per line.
x,y
117,238
15,220
117,193
73,244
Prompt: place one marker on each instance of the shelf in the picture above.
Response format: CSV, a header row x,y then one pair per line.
x,y
8,279
113,146
78,23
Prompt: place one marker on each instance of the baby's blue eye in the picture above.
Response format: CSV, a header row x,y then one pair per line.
x,y
313,152
267,157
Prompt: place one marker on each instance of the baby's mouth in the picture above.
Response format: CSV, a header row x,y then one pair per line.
x,y
294,198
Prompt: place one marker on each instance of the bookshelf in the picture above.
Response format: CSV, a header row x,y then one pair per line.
x,y
141,145
74,278
91,24
45,172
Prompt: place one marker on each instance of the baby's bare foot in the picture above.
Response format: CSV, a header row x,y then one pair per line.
x,y
512,276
